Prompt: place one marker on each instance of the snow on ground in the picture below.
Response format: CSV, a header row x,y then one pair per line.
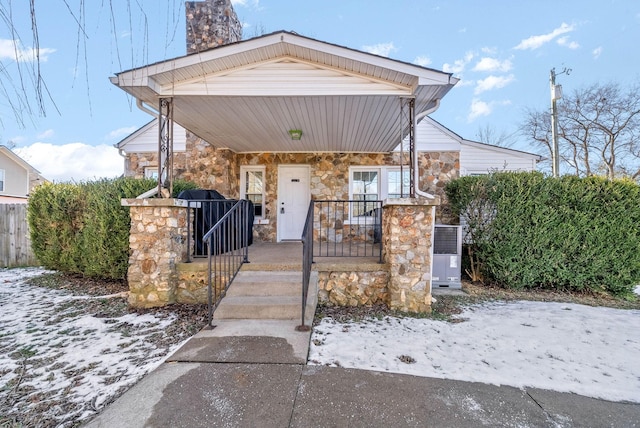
x,y
591,351
52,353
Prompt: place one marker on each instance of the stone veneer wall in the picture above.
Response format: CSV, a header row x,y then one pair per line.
x,y
353,287
436,170
211,23
219,169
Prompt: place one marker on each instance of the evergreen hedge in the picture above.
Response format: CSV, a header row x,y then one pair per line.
x,y
531,231
82,228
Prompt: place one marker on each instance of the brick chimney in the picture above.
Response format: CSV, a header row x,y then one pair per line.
x,y
211,23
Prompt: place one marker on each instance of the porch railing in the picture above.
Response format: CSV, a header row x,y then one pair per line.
x,y
339,229
227,244
347,228
307,260
202,216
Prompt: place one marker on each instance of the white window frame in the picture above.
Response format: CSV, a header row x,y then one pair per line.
x,y
383,181
2,180
243,185
151,172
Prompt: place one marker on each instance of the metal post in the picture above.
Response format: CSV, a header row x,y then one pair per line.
x,y
165,148
555,153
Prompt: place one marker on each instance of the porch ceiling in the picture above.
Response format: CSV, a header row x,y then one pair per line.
x,y
248,95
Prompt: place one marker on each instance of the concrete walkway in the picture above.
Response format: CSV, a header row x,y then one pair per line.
x,y
183,394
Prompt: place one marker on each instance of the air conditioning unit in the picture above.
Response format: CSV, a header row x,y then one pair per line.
x,y
447,256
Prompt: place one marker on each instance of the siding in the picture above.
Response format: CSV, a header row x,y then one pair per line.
x,y
16,177
475,159
15,244
146,140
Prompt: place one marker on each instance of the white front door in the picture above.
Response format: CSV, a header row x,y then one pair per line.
x,y
293,200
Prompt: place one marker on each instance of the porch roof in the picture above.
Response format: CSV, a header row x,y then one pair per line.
x,y
246,96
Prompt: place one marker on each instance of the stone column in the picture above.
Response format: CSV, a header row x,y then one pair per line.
x,y
408,251
157,242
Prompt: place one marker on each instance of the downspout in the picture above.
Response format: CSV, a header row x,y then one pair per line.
x,y
416,172
146,109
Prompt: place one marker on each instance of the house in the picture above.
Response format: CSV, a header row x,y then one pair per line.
x,y
17,177
291,123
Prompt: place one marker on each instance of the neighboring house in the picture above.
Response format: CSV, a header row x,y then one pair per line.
x,y
17,177
475,157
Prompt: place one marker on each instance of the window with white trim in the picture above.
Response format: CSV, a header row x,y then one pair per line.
x,y
151,172
252,186
1,180
376,183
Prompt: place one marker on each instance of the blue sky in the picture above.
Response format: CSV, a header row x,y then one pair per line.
x,y
502,50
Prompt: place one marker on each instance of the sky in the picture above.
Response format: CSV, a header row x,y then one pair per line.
x,y
591,351
501,50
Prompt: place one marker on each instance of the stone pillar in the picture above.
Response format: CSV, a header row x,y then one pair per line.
x,y
407,226
157,242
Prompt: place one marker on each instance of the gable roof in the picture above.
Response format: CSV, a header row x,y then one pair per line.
x,y
246,96
145,139
430,126
18,160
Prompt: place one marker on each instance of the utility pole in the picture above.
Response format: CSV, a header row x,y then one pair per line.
x,y
556,94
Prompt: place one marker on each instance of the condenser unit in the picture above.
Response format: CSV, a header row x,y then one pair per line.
x,y
447,256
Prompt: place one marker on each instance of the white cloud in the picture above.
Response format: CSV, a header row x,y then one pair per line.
x,y
564,41
534,42
490,65
597,52
382,49
493,82
458,65
13,50
46,134
74,161
480,108
246,3
422,61
121,132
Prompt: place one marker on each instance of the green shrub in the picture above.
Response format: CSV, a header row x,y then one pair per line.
x,y
558,233
55,216
82,228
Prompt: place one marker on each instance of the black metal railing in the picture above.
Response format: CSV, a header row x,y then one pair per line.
x,y
227,244
347,229
201,217
307,260
339,229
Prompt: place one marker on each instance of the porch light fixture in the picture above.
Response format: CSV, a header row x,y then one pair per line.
x,y
296,134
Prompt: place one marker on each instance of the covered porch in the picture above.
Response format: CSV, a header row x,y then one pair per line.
x,y
283,120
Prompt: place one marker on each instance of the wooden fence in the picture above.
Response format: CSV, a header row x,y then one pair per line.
x,y
15,244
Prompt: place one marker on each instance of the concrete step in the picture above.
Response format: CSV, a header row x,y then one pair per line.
x,y
268,276
266,284
259,307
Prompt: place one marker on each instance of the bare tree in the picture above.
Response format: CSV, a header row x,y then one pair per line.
x,y
598,130
489,135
